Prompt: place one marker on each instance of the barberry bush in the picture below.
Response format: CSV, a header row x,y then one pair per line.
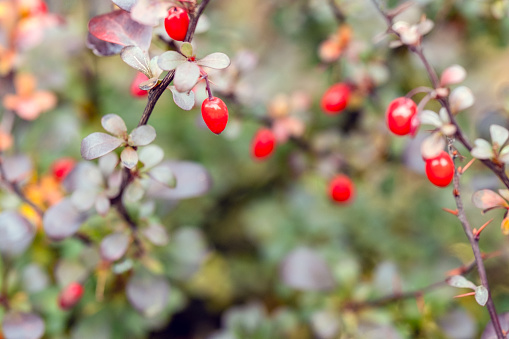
x,y
253,169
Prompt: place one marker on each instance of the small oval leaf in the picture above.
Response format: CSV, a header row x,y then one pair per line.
x,y
142,135
17,325
157,234
183,100
215,60
461,98
487,199
149,84
129,157
151,155
453,75
482,149
16,233
148,293
187,49
170,60
137,59
114,124
432,146
62,220
186,76
126,5
98,144
460,282
481,295
114,246
499,135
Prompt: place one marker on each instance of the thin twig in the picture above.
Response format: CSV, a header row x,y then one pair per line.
x,y
338,13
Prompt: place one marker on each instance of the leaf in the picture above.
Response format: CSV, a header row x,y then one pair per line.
x,y
489,331
114,124
186,76
137,59
134,191
154,67
183,100
482,149
304,269
149,84
481,295
150,12
70,270
151,155
215,60
428,117
114,246
117,27
62,220
16,233
499,135
487,199
17,168
102,48
108,163
157,234
192,179
102,205
83,199
163,176
453,75
461,98
460,282
187,49
18,325
126,5
142,135
432,146
170,60
148,293
129,157
98,144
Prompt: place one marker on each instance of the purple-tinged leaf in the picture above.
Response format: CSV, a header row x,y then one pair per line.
x,y
17,168
304,269
151,156
460,281
163,176
137,59
114,246
62,220
17,325
487,199
183,100
114,124
149,84
157,234
489,331
186,76
482,149
147,293
85,175
34,278
84,198
16,233
461,98
108,163
215,60
481,295
126,5
453,75
68,271
432,146
129,157
325,324
150,12
117,27
142,135
102,205
98,144
154,67
102,48
134,191
499,135
192,179
170,60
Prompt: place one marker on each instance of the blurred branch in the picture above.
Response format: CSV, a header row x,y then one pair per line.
x,y
338,13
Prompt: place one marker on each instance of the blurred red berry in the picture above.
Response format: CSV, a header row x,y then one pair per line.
x,y
135,89
62,167
215,114
336,98
440,170
70,295
401,116
176,23
341,189
263,143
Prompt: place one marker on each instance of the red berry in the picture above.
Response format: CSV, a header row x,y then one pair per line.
x,y
341,189
70,295
440,169
135,89
62,167
176,23
336,98
263,143
215,114
400,116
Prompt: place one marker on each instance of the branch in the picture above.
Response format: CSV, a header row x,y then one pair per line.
x,y
338,13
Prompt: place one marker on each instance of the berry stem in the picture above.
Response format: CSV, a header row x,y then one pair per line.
x,y
207,85
417,90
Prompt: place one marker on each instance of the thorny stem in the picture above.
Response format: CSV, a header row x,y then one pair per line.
x,y
498,170
207,85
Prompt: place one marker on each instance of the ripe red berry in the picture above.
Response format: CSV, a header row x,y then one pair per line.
x,y
70,295
176,23
62,167
263,143
440,169
135,89
336,98
341,189
401,115
215,114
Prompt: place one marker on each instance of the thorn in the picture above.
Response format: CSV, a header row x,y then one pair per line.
x,y
453,212
464,295
462,170
477,233
456,271
455,192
